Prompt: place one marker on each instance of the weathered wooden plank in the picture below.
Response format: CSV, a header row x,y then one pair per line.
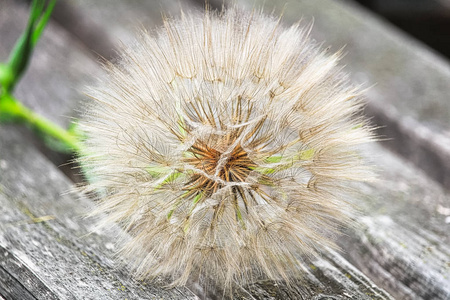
x,y
403,239
46,246
18,282
411,264
327,277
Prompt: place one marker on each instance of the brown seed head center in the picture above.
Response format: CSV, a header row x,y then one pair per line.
x,y
236,167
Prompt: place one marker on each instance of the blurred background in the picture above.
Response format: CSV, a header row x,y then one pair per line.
x,y
426,20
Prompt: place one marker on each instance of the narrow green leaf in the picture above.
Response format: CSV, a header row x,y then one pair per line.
x,y
170,178
19,58
43,22
197,198
169,215
22,51
263,170
273,159
306,154
239,214
158,171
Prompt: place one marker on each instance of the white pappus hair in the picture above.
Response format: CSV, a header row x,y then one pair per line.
x,y
223,146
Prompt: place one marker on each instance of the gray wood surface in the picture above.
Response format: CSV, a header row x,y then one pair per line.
x,y
402,242
403,239
47,250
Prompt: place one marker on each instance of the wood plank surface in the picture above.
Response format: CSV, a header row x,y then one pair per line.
x,y
47,250
403,239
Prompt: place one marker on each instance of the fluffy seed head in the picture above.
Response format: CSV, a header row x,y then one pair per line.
x,y
223,146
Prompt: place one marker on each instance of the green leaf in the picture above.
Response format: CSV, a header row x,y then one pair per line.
x,y
43,22
273,159
197,198
169,179
306,154
22,51
263,170
158,171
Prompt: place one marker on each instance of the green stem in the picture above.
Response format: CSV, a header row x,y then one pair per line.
x,y
12,110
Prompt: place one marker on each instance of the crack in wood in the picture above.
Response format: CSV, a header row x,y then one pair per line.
x,y
17,281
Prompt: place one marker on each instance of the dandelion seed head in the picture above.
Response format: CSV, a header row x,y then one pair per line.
x,y
223,146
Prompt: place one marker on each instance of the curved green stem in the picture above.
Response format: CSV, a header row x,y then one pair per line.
x,y
13,111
